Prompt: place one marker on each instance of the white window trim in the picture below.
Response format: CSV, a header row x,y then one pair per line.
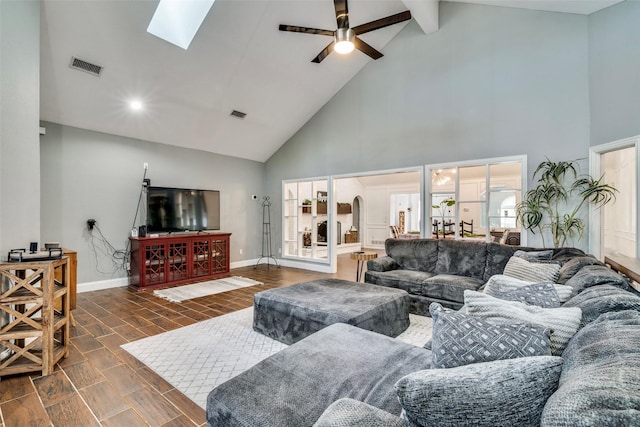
x,y
467,163
595,167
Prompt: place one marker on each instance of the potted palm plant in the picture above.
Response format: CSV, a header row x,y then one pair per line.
x,y
555,203
445,208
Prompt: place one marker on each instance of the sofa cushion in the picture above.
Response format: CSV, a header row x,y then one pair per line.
x,y
449,287
531,271
499,393
407,280
572,266
564,322
497,257
461,258
540,294
592,275
414,254
384,263
600,381
534,256
504,283
601,299
459,339
294,386
563,255
347,412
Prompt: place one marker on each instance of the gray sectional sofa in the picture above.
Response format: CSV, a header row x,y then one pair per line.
x,y
347,376
440,270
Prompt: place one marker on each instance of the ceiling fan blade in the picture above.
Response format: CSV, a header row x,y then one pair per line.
x,y
367,49
306,30
342,13
382,22
325,52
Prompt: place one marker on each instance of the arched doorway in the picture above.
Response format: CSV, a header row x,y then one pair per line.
x,y
356,216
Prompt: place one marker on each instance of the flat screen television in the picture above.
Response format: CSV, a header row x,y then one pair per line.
x,y
181,209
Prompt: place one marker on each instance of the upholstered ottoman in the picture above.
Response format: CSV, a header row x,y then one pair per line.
x,y
292,313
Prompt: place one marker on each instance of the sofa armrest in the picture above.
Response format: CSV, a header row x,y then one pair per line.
x,y
347,412
385,263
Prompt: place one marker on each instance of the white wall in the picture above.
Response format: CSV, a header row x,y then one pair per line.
x,y
19,129
614,72
88,174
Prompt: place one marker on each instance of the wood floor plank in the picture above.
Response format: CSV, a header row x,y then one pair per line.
x,y
102,359
187,406
181,421
128,418
83,374
98,329
15,386
54,388
25,411
86,343
154,380
72,413
104,400
124,379
152,406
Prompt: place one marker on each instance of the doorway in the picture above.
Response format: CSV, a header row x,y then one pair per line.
x,y
614,227
356,217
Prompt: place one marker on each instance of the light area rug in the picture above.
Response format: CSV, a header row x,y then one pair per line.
x,y
197,290
196,358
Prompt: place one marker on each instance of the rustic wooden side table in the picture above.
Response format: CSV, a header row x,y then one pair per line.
x,y
361,257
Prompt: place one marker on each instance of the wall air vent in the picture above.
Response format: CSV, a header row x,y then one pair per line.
x,y
238,114
85,66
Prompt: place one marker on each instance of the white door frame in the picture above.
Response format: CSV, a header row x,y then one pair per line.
x,y
595,170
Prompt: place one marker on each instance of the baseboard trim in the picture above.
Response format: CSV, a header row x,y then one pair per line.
x,y
320,268
243,263
102,284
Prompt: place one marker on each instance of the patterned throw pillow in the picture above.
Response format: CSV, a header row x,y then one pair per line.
x,y
531,271
509,392
460,340
564,322
504,283
535,256
540,294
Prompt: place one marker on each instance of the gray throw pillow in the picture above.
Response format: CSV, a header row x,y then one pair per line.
x,y
348,412
540,294
534,256
503,283
459,339
509,392
531,271
563,322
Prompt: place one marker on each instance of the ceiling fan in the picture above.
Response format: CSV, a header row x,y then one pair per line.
x,y
345,39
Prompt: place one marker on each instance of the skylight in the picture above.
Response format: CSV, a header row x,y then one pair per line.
x,y
177,21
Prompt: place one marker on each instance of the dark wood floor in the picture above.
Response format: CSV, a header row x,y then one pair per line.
x,y
99,384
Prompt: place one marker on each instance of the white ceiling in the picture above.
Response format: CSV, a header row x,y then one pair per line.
x,y
238,60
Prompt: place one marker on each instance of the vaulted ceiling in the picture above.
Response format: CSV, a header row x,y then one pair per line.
x,y
238,60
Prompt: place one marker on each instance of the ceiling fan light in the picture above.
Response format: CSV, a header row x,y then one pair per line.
x,y
344,40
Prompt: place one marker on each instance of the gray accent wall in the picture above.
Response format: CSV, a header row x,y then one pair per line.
x,y
19,117
614,72
492,82
88,174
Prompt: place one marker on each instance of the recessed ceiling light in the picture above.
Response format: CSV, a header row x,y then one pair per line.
x,y
178,21
135,105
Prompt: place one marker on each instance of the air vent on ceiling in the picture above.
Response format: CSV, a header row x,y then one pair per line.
x,y
238,114
85,66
